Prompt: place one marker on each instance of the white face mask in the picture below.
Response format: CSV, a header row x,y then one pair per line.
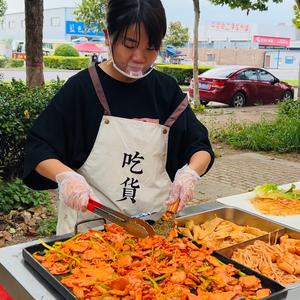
x,y
133,71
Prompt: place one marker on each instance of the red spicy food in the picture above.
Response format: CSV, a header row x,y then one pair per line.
x,y
113,264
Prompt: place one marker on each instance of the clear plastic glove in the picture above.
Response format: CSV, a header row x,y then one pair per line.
x,y
183,186
73,190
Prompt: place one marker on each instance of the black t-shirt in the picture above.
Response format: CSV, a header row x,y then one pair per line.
x,y
66,130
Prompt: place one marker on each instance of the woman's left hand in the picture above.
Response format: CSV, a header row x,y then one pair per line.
x,y
183,186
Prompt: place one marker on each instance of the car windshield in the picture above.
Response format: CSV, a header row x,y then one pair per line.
x,y
218,72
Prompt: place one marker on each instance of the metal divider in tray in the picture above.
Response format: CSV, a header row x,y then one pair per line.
x,y
272,239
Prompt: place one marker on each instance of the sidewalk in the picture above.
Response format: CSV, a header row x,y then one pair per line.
x,y
240,173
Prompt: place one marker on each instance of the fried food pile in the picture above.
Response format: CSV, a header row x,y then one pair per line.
x,y
280,262
219,233
271,199
113,264
277,207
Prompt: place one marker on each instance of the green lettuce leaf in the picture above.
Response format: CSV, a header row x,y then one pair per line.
x,y
273,191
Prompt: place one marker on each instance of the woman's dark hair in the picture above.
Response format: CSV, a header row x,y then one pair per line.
x,y
121,14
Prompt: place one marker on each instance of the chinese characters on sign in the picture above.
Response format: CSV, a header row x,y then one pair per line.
x,y
271,41
78,28
230,26
130,185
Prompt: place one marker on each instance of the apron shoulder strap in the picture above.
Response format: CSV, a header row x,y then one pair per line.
x,y
177,112
99,90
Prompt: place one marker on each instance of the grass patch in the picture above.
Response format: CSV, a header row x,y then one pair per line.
x,y
292,82
281,135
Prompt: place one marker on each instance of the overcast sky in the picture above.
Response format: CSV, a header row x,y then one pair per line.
x,y
182,10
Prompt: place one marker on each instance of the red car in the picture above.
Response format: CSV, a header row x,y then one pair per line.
x,y
240,86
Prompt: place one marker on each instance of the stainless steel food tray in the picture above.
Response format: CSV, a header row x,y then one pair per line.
x,y
273,237
278,292
234,215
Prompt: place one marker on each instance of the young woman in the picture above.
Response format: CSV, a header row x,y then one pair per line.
x,y
120,131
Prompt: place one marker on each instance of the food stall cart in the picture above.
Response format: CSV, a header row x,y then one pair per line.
x,y
22,282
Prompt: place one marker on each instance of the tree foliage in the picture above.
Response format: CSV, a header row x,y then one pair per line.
x,y
177,35
3,7
92,13
296,19
246,4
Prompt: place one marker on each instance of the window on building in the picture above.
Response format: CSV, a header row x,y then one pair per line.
x,y
22,23
55,21
211,57
11,24
289,60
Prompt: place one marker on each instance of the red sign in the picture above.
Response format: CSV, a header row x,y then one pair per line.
x,y
19,55
271,41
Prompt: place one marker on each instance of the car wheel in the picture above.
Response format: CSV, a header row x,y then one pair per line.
x,y
287,95
238,100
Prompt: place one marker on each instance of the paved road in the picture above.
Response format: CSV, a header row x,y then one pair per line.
x,y
8,74
65,74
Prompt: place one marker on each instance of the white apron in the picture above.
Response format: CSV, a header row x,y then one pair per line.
x,y
126,167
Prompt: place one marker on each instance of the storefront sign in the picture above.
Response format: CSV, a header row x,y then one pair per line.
x,y
18,55
271,41
230,26
77,28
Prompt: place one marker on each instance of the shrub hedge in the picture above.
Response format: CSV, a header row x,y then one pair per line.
x,y
66,50
182,73
3,62
63,62
19,107
16,62
15,195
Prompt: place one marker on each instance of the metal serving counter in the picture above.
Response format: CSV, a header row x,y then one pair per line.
x,y
23,283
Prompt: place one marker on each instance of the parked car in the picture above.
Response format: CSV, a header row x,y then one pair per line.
x,y
240,86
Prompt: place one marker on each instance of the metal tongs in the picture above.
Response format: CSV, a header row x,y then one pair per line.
x,y
134,226
166,223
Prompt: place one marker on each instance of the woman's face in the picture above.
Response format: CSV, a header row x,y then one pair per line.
x,y
133,56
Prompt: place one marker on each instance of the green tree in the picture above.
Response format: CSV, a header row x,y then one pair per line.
x,y
242,4
296,19
177,35
92,13
247,5
3,7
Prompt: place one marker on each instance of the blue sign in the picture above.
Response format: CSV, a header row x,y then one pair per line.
x,y
77,28
289,60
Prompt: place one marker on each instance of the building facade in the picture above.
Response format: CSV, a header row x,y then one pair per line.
x,y
60,26
269,46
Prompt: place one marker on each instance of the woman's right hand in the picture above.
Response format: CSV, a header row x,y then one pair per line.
x,y
73,190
